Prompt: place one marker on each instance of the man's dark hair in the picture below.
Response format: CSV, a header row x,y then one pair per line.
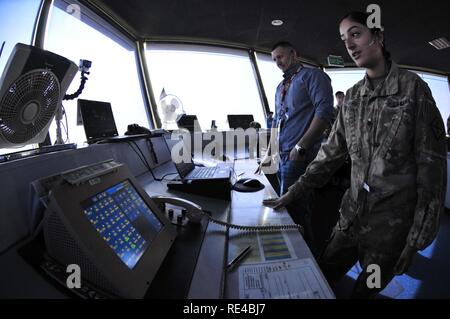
x,y
284,44
361,18
339,93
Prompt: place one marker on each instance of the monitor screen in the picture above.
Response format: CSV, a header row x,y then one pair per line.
x,y
240,121
123,220
183,168
189,122
104,221
98,119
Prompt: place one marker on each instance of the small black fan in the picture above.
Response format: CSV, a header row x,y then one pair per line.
x,y
31,89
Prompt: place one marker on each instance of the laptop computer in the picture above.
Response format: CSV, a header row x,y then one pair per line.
x,y
99,124
189,122
239,120
190,172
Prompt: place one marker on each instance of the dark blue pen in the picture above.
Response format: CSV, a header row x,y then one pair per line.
x,y
239,256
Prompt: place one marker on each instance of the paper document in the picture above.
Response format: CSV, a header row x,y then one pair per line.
x,y
275,247
266,247
292,279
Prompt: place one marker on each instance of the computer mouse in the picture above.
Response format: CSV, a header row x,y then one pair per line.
x,y
248,185
254,183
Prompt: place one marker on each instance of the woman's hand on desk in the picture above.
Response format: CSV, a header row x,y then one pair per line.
x,y
278,203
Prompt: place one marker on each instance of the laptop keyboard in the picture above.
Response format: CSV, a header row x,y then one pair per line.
x,y
204,172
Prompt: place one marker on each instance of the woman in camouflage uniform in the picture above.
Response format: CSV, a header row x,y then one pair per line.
x,y
392,130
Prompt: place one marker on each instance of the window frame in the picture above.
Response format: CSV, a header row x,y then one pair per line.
x,y
208,48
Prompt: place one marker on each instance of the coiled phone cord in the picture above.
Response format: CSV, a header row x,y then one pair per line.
x,y
267,228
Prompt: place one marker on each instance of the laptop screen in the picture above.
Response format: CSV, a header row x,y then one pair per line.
x,y
189,122
240,121
98,119
183,168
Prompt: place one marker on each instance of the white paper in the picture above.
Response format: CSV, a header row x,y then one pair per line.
x,y
291,279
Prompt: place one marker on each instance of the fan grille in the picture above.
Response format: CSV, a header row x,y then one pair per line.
x,y
29,105
170,106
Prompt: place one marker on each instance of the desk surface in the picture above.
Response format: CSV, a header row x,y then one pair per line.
x,y
269,250
280,264
20,280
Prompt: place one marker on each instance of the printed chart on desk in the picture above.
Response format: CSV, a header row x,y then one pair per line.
x,y
275,272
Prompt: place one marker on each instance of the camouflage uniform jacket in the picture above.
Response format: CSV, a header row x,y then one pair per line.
x,y
395,137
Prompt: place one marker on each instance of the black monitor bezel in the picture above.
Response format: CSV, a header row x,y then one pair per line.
x,y
84,106
128,283
234,118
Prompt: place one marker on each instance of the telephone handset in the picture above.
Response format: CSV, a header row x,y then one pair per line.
x,y
194,211
133,129
195,214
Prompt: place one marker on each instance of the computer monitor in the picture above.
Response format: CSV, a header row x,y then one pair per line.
x,y
189,122
98,120
239,120
101,219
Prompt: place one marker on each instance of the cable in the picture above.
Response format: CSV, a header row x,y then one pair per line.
x,y
267,228
142,154
84,68
152,151
80,89
163,178
60,112
65,131
67,125
143,160
138,154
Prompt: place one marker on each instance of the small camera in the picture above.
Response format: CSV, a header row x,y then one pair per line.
x,y
84,65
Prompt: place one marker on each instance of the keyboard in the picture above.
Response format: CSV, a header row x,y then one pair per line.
x,y
204,172
85,173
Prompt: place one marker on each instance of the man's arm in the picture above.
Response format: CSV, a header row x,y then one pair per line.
x,y
314,132
321,95
331,156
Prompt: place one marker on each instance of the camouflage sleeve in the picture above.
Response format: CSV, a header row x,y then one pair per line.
x,y
431,159
331,156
